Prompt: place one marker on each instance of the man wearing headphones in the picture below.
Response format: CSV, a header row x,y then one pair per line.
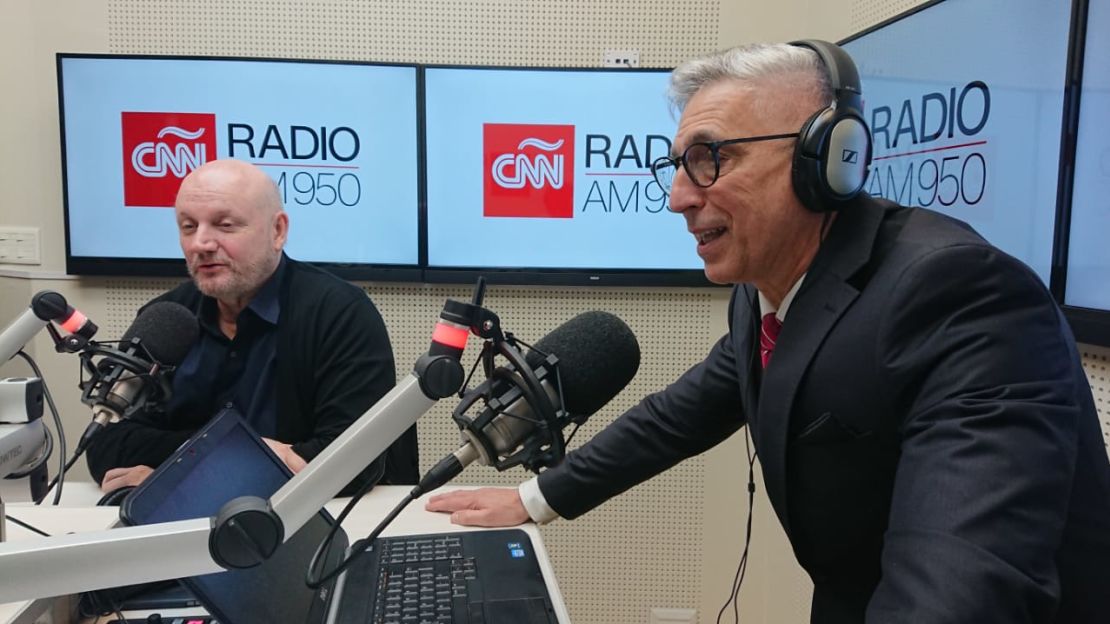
x,y
927,435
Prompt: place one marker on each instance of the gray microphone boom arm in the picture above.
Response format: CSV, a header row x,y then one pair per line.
x,y
46,306
24,440
19,332
21,445
247,530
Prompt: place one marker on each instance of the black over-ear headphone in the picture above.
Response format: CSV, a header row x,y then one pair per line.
x,y
834,145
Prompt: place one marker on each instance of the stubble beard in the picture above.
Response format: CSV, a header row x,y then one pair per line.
x,y
240,279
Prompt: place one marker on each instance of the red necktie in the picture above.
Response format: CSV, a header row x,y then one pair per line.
x,y
768,334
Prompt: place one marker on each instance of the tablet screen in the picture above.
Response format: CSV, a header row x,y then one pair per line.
x,y
223,461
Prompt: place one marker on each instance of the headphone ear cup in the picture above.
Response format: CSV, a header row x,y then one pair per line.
x,y
808,165
846,158
831,159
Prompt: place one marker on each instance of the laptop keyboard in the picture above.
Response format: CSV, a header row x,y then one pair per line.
x,y
422,580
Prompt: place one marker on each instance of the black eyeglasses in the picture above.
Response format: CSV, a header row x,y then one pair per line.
x,y
702,161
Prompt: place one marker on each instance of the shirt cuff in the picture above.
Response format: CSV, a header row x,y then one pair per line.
x,y
534,502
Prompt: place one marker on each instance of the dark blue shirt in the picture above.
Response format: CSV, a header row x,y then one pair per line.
x,y
220,372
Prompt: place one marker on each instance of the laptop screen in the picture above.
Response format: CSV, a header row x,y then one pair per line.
x,y
223,461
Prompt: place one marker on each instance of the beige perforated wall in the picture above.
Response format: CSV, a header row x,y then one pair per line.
x,y
867,13
1096,363
479,32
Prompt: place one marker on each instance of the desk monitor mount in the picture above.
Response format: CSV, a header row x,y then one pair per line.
x,y
248,530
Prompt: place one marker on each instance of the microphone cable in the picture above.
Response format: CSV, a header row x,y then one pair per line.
x,y
440,474
27,526
742,567
97,604
312,578
59,479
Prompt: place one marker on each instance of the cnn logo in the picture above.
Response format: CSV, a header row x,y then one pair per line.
x,y
159,149
529,170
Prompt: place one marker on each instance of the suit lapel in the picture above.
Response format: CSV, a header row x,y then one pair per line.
x,y
746,330
824,296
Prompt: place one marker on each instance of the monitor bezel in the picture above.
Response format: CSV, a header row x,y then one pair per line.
x,y
556,276
166,267
1089,325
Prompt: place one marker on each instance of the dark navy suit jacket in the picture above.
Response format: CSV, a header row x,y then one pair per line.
x,y
926,432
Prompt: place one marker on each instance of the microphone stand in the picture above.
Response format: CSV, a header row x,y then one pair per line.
x,y
543,450
248,529
133,364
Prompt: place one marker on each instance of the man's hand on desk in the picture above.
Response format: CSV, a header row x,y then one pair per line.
x,y
285,451
116,478
485,507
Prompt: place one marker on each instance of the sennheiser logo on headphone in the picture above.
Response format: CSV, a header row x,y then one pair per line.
x,y
849,156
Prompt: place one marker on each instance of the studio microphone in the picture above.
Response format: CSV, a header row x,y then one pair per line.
x,y
129,377
596,355
46,306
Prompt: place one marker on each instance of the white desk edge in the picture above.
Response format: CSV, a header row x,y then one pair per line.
x,y
77,513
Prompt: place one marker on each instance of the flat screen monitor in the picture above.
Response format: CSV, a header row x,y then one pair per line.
x,y
965,101
339,139
542,176
1087,288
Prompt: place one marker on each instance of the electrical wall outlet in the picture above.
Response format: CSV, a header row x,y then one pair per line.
x,y
19,245
673,616
620,58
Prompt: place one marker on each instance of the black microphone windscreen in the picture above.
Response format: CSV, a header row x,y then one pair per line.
x,y
167,329
598,356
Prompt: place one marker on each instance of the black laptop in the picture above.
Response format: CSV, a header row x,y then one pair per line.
x,y
474,577
478,577
225,460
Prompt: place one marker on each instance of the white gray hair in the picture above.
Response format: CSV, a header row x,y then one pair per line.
x,y
752,64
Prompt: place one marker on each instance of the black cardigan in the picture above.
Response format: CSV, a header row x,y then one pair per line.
x,y
334,360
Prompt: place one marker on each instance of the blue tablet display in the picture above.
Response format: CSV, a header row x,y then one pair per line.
x,y
223,461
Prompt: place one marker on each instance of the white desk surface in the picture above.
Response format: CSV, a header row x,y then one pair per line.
x,y
78,513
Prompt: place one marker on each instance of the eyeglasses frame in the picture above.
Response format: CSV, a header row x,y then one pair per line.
x,y
715,149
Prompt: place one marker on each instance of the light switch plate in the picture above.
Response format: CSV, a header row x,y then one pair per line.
x,y
19,245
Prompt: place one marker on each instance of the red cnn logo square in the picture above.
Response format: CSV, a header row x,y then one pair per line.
x,y
159,149
529,170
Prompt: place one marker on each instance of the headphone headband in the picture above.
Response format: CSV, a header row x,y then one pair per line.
x,y
834,145
843,75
